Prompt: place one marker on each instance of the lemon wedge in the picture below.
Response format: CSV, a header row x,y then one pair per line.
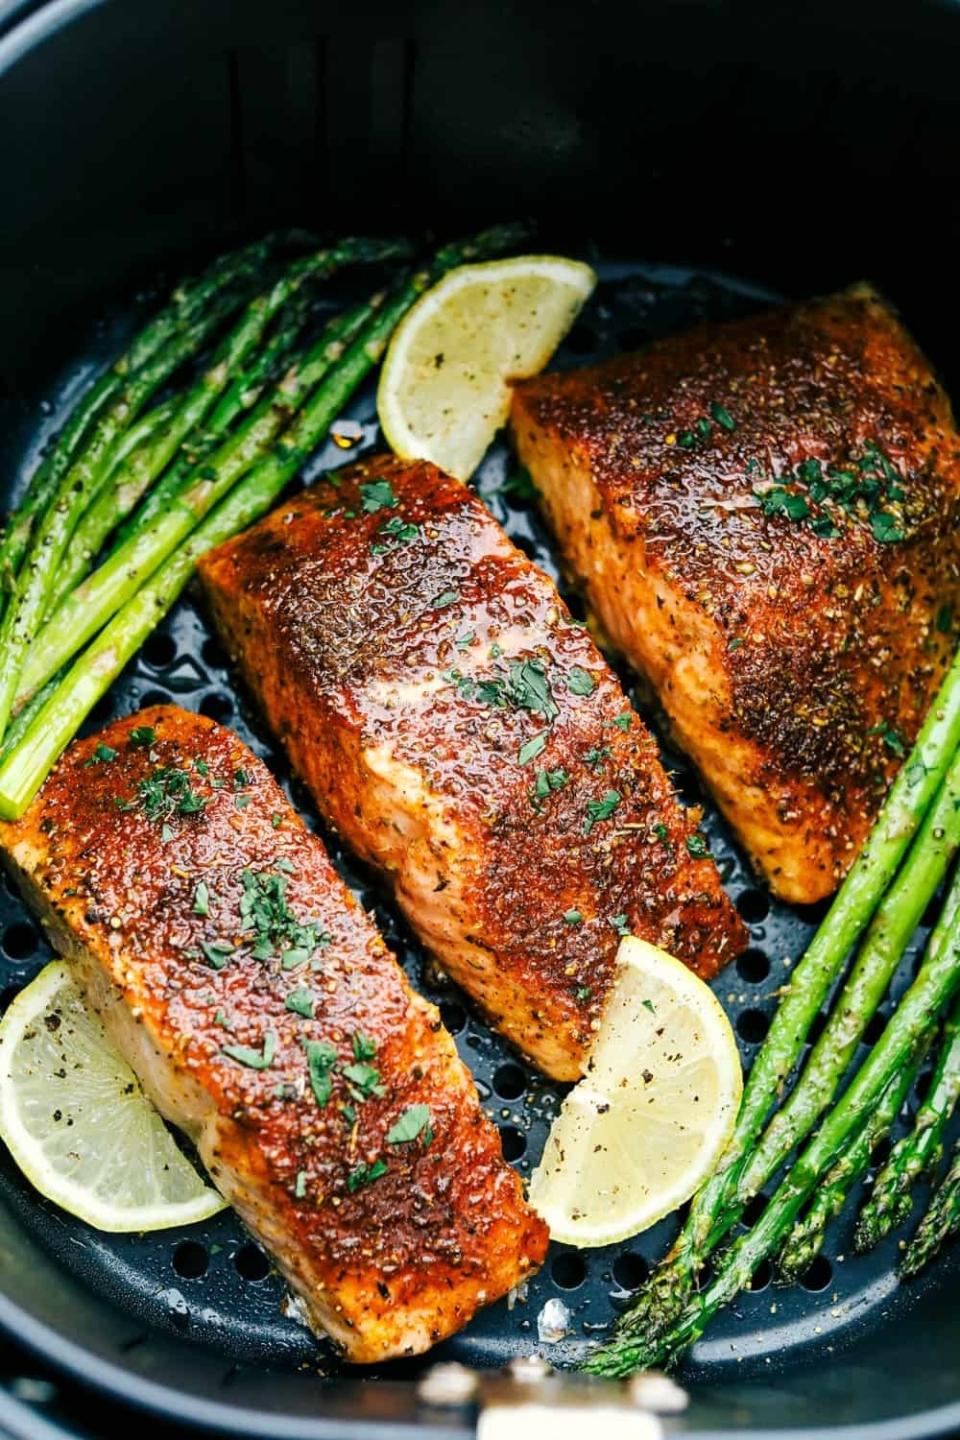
x,y
75,1120
646,1126
444,388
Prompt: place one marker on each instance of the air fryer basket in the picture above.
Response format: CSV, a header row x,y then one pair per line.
x,y
798,146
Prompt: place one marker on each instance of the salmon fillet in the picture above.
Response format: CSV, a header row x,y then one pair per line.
x,y
465,736
265,1017
763,515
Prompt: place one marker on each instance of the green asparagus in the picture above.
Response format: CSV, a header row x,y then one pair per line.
x,y
805,1241
25,767
184,307
80,481
121,491
901,815
87,608
919,1152
941,1222
240,397
933,989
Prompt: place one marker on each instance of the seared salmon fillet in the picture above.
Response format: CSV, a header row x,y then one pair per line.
x,y
266,1018
763,515
465,736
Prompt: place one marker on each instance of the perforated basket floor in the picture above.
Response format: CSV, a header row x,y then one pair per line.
x,y
210,1282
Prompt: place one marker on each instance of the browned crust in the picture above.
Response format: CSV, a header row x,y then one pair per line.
x,y
396,1264
343,640
824,652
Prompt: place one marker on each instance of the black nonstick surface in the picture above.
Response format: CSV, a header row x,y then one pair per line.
x,y
210,1283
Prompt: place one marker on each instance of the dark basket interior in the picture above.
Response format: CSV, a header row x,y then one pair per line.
x,y
792,147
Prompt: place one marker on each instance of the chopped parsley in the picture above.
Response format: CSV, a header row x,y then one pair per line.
x,y
890,738
580,681
164,793
523,687
619,923
602,809
572,917
102,755
697,846
445,598
596,756
300,1185
864,489
260,1059
660,831
142,735
376,495
218,952
531,748
723,417
465,640
649,1005
583,993
622,721
414,1122
201,899
321,1059
394,531
301,1002
363,1079
547,781
362,1174
518,483
363,1047
267,916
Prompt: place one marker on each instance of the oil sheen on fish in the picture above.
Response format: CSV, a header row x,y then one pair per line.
x,y
764,517
464,734
267,1019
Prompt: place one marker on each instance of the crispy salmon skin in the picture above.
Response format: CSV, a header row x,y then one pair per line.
x,y
464,734
266,1018
764,517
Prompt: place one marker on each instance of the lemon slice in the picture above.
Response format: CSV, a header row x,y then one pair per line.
x,y
75,1120
649,1121
444,389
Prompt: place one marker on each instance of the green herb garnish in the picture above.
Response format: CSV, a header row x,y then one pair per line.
x,y
598,810
414,1121
260,1059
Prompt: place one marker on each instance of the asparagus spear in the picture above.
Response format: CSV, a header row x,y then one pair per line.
x,y
716,1205
24,768
240,396
941,1221
893,926
87,608
120,493
81,480
186,304
917,1153
805,1241
933,989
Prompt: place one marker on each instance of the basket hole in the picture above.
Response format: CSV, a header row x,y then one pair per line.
x,y
922,1087
630,1270
568,1270
159,650
874,1028
19,941
514,1142
761,1277
102,711
217,706
214,654
819,1275
581,340
632,337
153,697
752,1026
453,1016
528,546
753,1210
753,967
881,1152
509,1082
251,1263
7,997
190,1260
754,905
